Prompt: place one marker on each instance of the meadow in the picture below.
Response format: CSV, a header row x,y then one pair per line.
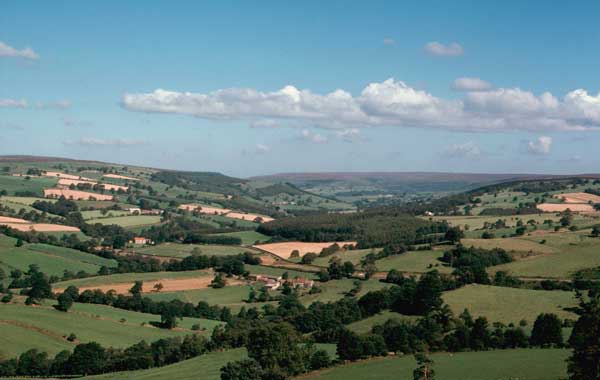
x,y
522,364
33,184
364,326
51,259
24,327
130,221
205,367
501,304
414,261
248,237
184,250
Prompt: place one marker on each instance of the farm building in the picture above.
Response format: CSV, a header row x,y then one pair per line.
x,y
138,240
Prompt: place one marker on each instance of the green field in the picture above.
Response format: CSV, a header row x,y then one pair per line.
x,y
414,261
97,214
184,250
514,244
335,289
273,271
365,325
36,185
130,221
231,296
248,237
26,326
354,256
572,251
51,260
523,364
27,201
205,367
500,304
131,277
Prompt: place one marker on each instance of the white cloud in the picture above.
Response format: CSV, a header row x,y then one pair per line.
x,y
91,141
60,104
389,41
265,123
9,51
465,150
452,50
21,103
471,84
541,146
316,138
349,135
262,148
387,103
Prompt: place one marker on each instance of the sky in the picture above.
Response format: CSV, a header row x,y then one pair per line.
x,y
252,88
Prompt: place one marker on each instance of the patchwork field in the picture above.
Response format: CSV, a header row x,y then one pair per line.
x,y
76,195
248,237
354,256
97,214
130,221
364,326
523,364
414,261
500,304
572,251
25,225
560,207
515,244
284,249
22,184
126,280
184,250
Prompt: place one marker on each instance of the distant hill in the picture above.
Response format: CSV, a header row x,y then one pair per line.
x,y
398,182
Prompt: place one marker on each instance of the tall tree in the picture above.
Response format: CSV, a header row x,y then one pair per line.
x,y
584,363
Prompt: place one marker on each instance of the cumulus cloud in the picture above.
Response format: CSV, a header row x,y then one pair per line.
x,y
389,41
13,103
312,137
465,150
471,84
91,141
438,49
387,103
541,146
9,51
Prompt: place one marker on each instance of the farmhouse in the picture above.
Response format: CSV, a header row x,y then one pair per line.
x,y
138,240
275,282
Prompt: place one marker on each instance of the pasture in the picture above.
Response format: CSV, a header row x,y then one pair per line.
x,y
205,367
35,185
352,255
364,326
572,251
514,244
99,323
414,261
501,304
130,221
98,214
51,260
284,249
248,237
522,364
184,250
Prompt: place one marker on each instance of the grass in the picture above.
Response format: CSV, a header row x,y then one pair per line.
x,y
27,201
97,214
231,296
184,250
272,271
522,364
50,259
500,304
130,277
335,289
572,251
248,237
354,256
414,261
88,322
36,185
130,221
514,244
205,367
365,325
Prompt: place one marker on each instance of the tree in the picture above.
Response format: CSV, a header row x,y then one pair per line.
x,y
596,230
218,282
547,331
158,287
248,369
454,234
584,363
309,258
424,370
319,359
87,359
19,243
64,302
40,288
33,363
137,287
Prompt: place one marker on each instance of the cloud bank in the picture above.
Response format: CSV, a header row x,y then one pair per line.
x,y
388,103
9,51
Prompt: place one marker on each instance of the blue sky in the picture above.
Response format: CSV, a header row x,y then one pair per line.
x,y
528,100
